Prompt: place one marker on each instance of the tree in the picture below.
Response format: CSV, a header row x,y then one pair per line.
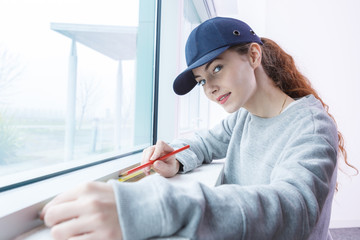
x,y
88,94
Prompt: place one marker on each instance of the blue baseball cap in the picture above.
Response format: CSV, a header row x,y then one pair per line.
x,y
206,42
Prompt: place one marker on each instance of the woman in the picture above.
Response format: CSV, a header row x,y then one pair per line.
x,y
280,145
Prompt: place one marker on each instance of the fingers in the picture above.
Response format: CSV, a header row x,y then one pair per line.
x,y
72,195
153,153
86,236
74,227
166,169
91,214
160,148
63,197
62,212
147,153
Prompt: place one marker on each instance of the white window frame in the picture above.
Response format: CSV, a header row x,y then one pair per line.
x,y
172,62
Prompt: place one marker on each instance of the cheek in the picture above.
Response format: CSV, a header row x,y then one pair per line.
x,y
251,82
243,80
244,86
207,93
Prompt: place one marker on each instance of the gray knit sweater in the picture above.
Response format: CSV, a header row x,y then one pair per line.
x,y
278,183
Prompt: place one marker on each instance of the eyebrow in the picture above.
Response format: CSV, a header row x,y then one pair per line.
x,y
207,66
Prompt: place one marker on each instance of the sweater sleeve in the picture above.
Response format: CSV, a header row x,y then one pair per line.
x,y
206,145
286,208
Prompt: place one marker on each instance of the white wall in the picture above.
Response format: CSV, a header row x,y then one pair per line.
x,y
323,36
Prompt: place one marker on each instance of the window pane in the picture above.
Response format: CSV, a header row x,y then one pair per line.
x,y
192,107
75,76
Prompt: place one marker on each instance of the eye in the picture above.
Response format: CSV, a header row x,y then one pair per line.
x,y
217,68
202,82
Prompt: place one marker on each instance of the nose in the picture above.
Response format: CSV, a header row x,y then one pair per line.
x,y
212,89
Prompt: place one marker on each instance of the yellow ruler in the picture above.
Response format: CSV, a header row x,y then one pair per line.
x,y
133,177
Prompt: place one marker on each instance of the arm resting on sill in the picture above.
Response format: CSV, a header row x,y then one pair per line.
x,y
209,174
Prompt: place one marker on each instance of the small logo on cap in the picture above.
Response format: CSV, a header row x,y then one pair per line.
x,y
252,32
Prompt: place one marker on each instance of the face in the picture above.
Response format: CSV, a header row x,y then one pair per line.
x,y
229,80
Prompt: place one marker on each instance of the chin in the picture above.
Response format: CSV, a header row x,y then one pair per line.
x,y
231,109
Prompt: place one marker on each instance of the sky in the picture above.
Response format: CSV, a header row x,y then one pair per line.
x,y
44,54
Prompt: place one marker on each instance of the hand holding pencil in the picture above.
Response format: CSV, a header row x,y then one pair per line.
x,y
168,166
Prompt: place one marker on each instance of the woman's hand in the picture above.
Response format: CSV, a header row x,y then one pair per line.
x,y
166,168
85,212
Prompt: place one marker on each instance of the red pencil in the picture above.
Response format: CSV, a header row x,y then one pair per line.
x,y
152,161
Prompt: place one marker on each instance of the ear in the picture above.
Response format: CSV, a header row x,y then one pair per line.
x,y
255,55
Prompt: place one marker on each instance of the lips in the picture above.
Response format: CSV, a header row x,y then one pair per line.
x,y
223,98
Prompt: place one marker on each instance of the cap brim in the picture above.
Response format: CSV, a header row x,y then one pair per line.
x,y
185,81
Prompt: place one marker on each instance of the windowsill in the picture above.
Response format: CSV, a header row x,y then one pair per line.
x,y
40,172
20,206
208,174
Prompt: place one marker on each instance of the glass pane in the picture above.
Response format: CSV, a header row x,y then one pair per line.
x,y
193,107
69,81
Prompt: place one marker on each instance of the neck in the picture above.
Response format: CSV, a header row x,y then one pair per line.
x,y
268,100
